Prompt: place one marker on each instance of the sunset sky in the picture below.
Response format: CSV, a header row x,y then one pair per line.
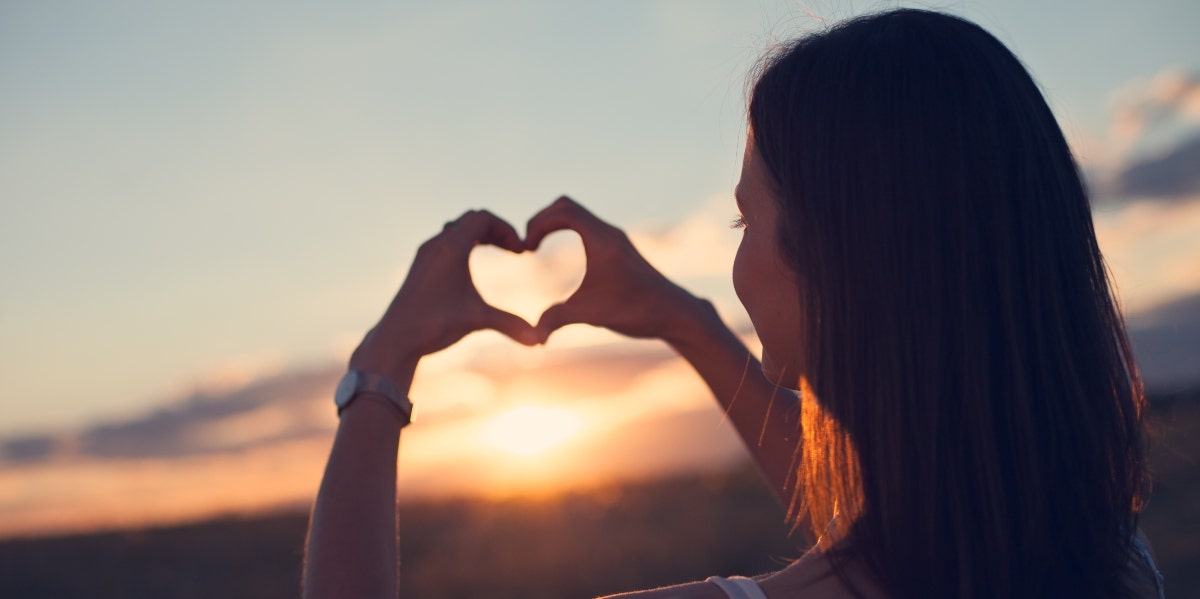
x,y
203,206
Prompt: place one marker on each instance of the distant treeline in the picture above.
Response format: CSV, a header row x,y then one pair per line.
x,y
575,545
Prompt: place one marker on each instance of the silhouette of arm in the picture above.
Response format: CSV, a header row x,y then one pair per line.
x,y
765,415
351,549
622,292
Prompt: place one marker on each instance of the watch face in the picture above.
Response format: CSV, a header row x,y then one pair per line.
x,y
346,389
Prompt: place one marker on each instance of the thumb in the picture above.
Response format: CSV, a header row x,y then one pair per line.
x,y
511,325
554,318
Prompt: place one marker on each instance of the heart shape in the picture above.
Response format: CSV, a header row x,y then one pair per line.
x,y
526,284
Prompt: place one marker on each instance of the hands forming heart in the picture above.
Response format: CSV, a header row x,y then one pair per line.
x,y
438,304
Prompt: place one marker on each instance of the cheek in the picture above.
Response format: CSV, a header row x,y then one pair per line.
x,y
778,324
779,352
739,272
748,281
768,295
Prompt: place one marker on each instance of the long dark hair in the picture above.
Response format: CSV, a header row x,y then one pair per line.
x,y
973,415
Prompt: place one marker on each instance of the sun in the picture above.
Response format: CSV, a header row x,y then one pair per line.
x,y
530,430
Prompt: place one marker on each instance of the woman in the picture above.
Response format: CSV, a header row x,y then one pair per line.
x,y
919,261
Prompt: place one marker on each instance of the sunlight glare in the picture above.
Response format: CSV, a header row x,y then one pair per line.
x,y
531,430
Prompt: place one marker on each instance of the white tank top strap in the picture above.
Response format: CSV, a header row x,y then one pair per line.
x,y
1139,545
738,587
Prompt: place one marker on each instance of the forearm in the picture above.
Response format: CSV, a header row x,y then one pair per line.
x,y
765,415
351,547
351,550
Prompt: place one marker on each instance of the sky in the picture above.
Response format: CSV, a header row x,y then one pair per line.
x,y
203,206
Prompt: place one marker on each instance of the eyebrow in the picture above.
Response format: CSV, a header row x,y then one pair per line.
x,y
737,199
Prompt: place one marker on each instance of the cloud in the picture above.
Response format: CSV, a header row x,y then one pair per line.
x,y
589,371
1172,175
698,247
1184,311
1166,343
1147,221
1152,249
199,424
32,448
218,449
1150,143
180,429
1145,111
527,284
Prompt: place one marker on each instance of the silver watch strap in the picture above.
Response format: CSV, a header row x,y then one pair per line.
x,y
381,386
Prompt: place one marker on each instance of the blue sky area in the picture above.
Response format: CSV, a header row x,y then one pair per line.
x,y
216,189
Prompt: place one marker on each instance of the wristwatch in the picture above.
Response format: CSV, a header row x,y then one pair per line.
x,y
357,382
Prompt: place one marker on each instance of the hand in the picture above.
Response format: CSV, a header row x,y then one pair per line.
x,y
438,304
620,291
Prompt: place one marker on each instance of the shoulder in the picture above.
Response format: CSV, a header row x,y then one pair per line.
x,y
691,590
812,576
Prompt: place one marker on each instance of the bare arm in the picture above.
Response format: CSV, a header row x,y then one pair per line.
x,y
351,550
351,547
621,291
765,415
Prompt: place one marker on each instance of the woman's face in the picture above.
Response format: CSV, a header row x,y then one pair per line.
x,y
763,281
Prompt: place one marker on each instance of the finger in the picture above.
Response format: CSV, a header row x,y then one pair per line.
x,y
452,231
511,325
454,225
554,318
563,213
481,226
501,234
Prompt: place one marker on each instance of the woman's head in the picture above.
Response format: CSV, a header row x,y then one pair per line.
x,y
952,318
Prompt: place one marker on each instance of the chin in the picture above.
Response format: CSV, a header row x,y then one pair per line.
x,y
782,376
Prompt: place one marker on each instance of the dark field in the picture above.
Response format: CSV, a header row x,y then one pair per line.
x,y
572,546
578,545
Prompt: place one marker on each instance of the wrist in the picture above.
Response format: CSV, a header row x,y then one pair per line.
x,y
693,322
367,420
372,406
401,372
357,386
395,362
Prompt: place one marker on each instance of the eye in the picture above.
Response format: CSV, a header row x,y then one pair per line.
x,y
738,222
